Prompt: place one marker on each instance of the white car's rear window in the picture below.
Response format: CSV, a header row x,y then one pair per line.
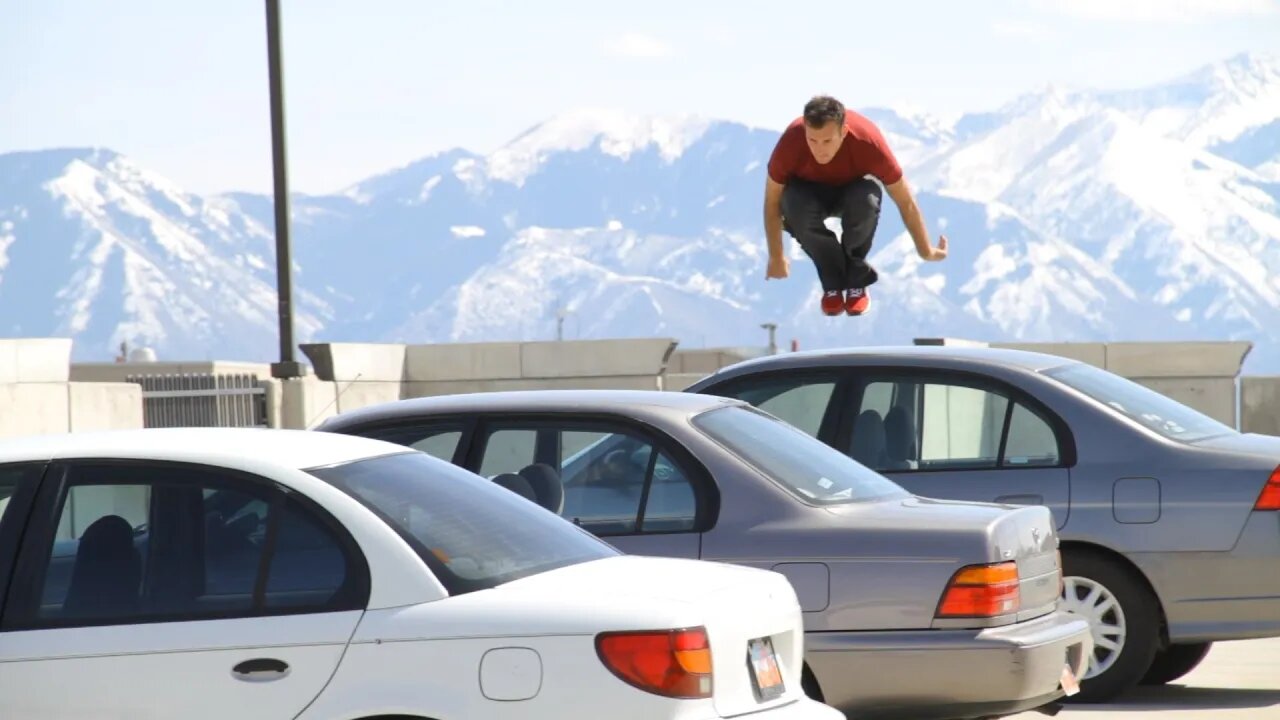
x,y
472,533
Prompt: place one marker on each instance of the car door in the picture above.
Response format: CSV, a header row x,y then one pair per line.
x,y
625,484
154,590
956,436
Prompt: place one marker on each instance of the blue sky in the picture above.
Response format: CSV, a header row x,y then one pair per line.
x,y
371,84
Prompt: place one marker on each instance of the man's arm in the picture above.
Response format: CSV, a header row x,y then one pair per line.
x,y
914,220
778,265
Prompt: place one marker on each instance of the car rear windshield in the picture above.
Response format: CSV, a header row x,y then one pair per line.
x,y
1158,412
473,534
797,461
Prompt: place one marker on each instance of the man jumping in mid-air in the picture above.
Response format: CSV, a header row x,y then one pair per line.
x,y
819,169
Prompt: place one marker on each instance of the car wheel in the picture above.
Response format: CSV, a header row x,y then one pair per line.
x,y
1175,661
1124,618
809,684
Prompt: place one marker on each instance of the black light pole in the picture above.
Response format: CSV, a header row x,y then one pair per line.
x,y
288,367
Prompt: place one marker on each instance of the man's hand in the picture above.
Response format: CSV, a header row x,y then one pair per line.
x,y
935,254
914,220
779,267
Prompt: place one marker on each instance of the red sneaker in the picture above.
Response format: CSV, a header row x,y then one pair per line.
x,y
832,302
857,301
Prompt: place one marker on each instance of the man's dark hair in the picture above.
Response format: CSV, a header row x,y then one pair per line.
x,y
822,109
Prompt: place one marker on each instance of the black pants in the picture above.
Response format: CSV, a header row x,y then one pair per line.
x,y
841,262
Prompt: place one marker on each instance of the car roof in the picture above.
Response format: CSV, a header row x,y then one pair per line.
x,y
951,355
295,449
534,400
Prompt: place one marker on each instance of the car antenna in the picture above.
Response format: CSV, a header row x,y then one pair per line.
x,y
312,421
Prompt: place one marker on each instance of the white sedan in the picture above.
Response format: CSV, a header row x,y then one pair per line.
x,y
215,573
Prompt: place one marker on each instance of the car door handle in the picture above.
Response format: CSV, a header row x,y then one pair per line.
x,y
261,669
1020,500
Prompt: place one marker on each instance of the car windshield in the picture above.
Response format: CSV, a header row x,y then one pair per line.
x,y
1153,410
807,467
472,533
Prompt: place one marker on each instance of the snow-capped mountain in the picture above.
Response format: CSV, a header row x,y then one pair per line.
x,y
1151,213
96,248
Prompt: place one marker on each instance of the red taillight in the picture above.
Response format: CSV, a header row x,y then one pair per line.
x,y
981,591
1270,497
673,663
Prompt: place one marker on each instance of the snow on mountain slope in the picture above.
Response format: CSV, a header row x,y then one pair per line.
x,y
1188,230
613,282
1215,104
104,251
610,132
1258,148
984,166
1006,281
1024,284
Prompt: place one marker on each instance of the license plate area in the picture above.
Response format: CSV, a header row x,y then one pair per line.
x,y
1070,685
762,664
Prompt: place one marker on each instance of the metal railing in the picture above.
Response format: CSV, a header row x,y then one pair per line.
x,y
202,400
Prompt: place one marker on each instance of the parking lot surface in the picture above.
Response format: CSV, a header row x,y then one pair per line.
x,y
1237,680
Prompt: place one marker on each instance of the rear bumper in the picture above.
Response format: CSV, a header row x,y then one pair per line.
x,y
935,674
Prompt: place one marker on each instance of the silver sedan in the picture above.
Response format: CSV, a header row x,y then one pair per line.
x,y
1170,520
913,607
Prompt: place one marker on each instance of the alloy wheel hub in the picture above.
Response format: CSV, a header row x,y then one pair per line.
x,y
1094,602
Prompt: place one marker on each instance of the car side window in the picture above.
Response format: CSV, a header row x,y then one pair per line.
x,y
609,480
308,566
139,543
508,451
798,401
440,441
905,425
618,483
960,427
1031,441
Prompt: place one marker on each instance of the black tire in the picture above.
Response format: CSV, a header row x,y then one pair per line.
x,y
809,684
1175,661
1141,615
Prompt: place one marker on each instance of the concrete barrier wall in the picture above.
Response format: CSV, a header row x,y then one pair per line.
x,y
678,382
104,406
354,375
704,361
36,396
1260,405
35,360
58,407
34,408
118,372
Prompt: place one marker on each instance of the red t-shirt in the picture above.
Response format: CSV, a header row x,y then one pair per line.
x,y
863,152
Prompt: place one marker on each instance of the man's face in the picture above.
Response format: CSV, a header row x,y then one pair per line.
x,y
824,141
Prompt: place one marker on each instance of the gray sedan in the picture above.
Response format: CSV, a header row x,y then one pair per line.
x,y
1169,523
913,608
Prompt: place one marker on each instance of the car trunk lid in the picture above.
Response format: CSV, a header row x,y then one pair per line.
x,y
956,535
736,605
